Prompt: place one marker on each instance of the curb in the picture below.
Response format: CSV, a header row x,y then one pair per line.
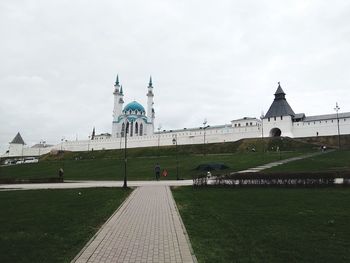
x,y
183,227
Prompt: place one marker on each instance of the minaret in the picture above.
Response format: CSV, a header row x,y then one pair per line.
x,y
93,134
150,95
118,99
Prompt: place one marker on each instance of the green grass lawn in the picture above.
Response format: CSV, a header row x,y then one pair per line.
x,y
139,168
52,225
267,224
329,161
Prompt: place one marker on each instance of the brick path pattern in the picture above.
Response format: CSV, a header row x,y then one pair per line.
x,y
146,228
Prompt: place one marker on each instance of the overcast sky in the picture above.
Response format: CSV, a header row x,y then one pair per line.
x,y
218,60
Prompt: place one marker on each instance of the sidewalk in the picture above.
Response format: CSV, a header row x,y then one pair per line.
x,y
146,228
277,163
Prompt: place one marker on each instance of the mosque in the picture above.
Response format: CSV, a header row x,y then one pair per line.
x,y
136,125
133,115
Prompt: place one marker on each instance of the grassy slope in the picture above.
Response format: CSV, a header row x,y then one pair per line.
x,y
267,224
109,165
332,161
52,225
139,168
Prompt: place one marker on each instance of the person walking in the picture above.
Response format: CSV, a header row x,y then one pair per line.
x,y
60,173
157,171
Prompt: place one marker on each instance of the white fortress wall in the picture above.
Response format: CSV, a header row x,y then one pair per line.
x,y
19,150
321,127
212,135
224,133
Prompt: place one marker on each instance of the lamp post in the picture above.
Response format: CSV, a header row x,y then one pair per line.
x,y
62,143
262,131
62,164
22,153
41,144
279,149
177,160
159,128
205,126
337,108
125,184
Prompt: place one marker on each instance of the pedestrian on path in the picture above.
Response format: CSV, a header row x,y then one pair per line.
x,y
157,171
60,173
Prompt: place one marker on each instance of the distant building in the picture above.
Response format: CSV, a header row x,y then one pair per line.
x,y
133,116
280,120
16,146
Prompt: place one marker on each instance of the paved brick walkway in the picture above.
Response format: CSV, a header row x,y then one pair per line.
x,y
277,163
146,228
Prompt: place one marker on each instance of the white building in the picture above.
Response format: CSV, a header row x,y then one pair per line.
x,y
133,115
280,120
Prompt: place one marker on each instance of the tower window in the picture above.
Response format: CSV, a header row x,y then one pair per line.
x,y
274,118
281,117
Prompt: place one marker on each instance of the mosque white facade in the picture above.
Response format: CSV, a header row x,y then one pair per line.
x,y
280,120
133,116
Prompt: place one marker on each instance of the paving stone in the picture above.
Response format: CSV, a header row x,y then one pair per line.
x,y
147,228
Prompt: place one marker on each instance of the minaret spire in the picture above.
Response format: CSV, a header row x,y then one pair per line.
x,y
121,89
150,95
93,133
117,81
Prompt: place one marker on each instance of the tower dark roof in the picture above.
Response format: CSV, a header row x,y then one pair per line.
x,y
18,139
279,106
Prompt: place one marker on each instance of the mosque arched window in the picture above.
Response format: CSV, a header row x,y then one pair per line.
x,y
136,128
123,129
141,129
131,128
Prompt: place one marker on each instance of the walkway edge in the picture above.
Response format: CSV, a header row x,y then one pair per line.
x,y
183,228
104,224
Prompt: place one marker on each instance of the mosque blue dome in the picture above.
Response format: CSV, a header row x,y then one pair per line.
x,y
134,106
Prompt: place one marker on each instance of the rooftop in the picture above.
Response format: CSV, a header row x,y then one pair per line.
x,y
18,139
279,106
